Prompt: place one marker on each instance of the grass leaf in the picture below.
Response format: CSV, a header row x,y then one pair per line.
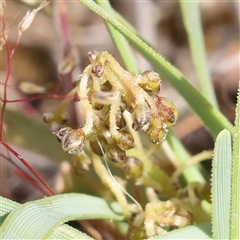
x,y
221,186
38,219
192,22
201,231
235,192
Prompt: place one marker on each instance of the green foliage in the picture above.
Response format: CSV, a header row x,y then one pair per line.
x,y
43,219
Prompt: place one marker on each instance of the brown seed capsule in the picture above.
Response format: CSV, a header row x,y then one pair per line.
x,y
133,168
115,154
74,141
141,117
167,110
125,140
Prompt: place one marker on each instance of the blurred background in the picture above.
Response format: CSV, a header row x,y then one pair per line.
x,y
53,52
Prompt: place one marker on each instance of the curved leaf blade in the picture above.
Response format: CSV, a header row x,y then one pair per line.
x,y
201,231
221,186
38,219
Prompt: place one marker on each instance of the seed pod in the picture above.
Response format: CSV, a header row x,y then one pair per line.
x,y
150,81
168,111
115,154
125,140
141,117
133,168
157,131
74,141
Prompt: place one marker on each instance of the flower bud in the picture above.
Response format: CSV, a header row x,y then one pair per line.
x,y
150,81
141,117
74,141
28,18
157,131
124,140
133,168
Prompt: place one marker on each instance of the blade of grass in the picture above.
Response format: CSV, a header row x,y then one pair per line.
x,y
120,41
38,219
62,232
221,186
212,118
192,21
235,191
201,231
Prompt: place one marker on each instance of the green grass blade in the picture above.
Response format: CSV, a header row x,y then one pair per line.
x,y
62,232
38,219
235,181
212,118
192,22
221,186
66,232
120,41
6,207
201,231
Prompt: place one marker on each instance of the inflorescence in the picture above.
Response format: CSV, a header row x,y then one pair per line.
x,y
107,91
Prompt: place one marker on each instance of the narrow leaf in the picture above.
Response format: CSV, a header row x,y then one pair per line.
x,y
38,219
201,231
235,194
221,186
192,22
62,232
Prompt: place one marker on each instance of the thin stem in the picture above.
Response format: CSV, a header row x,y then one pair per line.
x,y
27,165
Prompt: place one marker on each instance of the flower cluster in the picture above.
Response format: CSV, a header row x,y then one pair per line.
x,y
107,92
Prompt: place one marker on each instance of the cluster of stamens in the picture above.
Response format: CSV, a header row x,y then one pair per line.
x,y
107,91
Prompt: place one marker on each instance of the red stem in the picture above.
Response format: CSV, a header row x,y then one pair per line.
x,y
27,165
